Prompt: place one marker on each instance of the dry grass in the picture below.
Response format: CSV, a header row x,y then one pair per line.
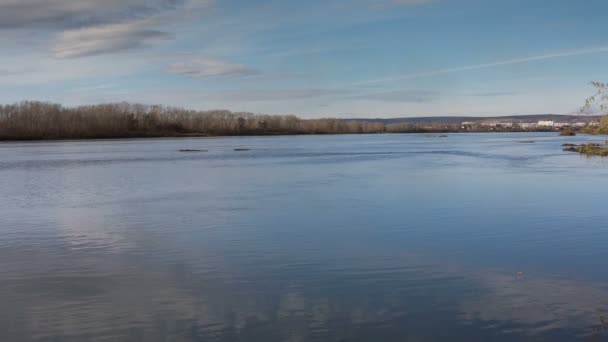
x,y
591,149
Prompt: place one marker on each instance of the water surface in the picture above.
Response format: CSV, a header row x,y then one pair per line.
x,y
304,238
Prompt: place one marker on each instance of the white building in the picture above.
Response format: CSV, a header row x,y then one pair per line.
x,y
527,125
546,123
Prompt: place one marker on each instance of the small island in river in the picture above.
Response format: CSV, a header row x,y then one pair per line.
x,y
590,149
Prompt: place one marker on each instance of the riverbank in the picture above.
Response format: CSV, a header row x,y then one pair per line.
x,y
28,121
430,133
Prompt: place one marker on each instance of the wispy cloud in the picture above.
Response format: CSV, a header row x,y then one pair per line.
x,y
327,94
93,27
403,95
71,14
93,88
7,72
106,39
494,93
488,65
380,4
394,3
254,95
206,67
409,2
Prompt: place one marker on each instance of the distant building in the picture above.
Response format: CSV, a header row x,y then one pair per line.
x,y
527,125
489,123
468,125
546,123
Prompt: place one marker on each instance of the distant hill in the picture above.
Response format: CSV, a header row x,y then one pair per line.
x,y
460,119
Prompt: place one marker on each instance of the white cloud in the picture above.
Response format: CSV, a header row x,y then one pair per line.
x,y
78,13
106,39
523,60
206,67
91,27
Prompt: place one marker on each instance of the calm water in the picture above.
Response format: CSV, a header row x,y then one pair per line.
x,y
311,238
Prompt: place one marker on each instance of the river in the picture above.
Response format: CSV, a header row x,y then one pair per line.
x,y
469,237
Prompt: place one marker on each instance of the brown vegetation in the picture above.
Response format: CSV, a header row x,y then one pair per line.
x,y
600,98
40,120
37,120
567,133
603,128
591,149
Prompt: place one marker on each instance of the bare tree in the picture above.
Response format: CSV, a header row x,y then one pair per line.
x,y
40,120
600,98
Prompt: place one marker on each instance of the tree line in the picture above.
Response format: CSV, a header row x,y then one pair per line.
x,y
31,120
42,120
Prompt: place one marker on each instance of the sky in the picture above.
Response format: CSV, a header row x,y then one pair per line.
x,y
331,58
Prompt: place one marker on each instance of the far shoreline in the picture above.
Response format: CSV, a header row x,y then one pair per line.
x,y
42,121
186,136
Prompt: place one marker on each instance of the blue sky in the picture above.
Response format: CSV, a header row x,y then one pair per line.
x,y
338,58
